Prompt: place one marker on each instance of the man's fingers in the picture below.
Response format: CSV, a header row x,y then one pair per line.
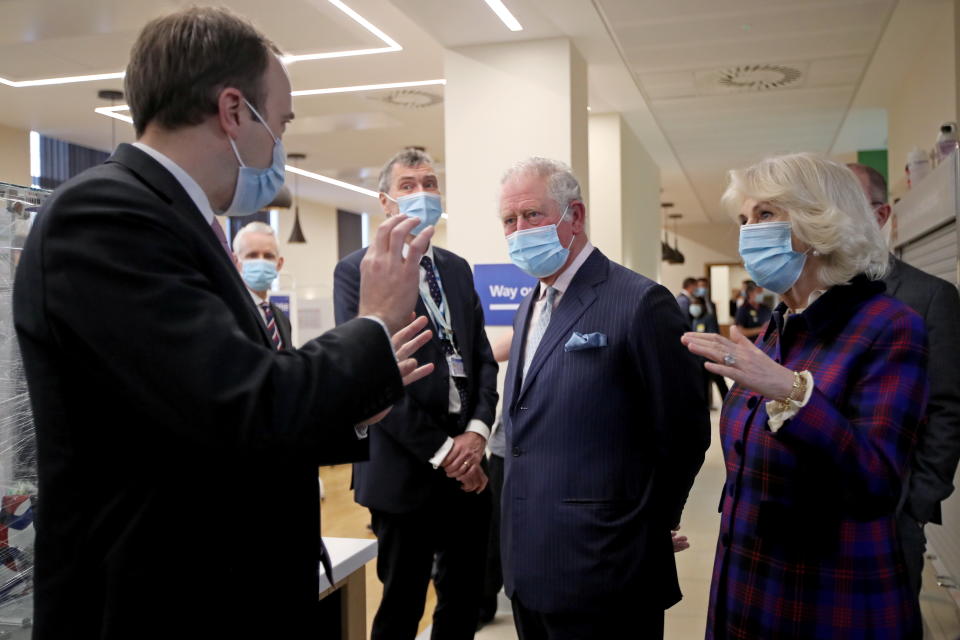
x,y
417,374
410,347
381,243
398,235
409,331
418,246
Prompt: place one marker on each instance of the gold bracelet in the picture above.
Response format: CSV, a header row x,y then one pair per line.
x,y
797,392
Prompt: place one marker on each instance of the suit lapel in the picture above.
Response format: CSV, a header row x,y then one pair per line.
x,y
162,182
452,292
511,384
893,277
575,301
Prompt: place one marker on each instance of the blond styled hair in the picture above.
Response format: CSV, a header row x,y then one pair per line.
x,y
826,207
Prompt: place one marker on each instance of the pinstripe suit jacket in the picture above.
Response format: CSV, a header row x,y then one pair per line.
x,y
808,545
603,445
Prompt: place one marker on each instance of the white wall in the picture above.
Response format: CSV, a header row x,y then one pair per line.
x,y
925,97
701,244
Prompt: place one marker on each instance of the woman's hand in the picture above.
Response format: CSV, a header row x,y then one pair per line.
x,y
738,359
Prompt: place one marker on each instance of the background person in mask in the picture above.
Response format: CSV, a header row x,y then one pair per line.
x,y
752,317
259,261
606,425
818,431
938,447
177,448
425,483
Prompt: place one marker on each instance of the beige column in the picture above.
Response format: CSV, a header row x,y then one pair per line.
x,y
503,103
625,196
14,156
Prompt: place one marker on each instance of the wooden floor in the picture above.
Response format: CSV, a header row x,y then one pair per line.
x,y
342,517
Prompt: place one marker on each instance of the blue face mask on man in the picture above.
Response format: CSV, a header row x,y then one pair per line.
x,y
422,205
259,274
256,188
538,251
768,255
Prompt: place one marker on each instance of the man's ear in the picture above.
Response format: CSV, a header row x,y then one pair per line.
x,y
279,263
229,107
578,214
883,214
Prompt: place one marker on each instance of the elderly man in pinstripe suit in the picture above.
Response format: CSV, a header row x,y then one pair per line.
x,y
606,424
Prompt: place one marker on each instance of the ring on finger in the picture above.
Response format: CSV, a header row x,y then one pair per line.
x,y
729,360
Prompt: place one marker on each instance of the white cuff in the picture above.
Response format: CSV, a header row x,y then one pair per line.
x,y
362,430
441,453
777,413
385,330
479,428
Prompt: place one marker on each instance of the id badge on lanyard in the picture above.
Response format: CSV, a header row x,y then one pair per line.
x,y
441,319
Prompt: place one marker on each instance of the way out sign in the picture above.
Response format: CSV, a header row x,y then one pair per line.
x,y
501,288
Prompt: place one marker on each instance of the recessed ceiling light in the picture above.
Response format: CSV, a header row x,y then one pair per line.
x,y
392,45
504,14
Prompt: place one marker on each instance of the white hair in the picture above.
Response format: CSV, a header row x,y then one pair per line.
x,y
562,185
827,211
252,227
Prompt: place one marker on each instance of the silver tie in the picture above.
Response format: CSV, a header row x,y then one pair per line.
x,y
537,331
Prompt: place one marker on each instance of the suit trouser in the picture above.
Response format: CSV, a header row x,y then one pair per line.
x,y
913,541
454,526
627,621
493,579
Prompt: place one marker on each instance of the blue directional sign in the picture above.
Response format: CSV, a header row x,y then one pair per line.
x,y
501,288
282,302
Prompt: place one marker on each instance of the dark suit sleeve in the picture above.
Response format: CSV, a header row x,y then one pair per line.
x,y
938,450
124,285
486,367
676,396
407,424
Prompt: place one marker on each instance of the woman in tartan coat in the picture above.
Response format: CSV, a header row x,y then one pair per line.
x,y
818,431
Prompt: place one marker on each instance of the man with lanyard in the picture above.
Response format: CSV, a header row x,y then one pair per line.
x,y
425,481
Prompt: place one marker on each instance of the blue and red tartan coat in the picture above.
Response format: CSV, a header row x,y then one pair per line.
x,y
808,547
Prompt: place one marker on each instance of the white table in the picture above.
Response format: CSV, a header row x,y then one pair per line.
x,y
348,557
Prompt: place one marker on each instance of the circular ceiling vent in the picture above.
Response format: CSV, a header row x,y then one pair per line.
x,y
409,98
758,77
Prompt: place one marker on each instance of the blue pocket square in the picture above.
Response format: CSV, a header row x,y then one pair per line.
x,y
579,341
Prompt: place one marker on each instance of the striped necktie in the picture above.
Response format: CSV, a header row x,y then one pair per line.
x,y
272,325
218,231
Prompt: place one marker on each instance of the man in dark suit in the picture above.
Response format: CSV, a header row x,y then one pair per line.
x,y
685,297
606,424
938,447
259,261
425,481
177,447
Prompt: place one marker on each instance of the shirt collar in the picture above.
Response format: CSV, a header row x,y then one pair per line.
x,y
562,283
429,252
188,183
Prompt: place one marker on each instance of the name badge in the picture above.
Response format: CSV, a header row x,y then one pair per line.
x,y
455,363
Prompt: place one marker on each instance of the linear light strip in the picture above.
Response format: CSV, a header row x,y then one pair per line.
x,y
503,13
366,87
333,181
392,45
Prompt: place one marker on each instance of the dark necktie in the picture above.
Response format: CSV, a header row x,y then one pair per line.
x,y
272,325
218,231
448,347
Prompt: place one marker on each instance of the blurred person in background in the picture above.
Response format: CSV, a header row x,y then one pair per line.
x,y
819,429
752,316
938,449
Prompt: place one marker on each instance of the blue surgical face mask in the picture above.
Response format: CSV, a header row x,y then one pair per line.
x,y
422,205
538,250
696,310
700,292
768,255
256,188
259,274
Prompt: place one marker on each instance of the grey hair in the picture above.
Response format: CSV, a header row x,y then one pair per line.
x,y
827,211
562,185
252,227
409,157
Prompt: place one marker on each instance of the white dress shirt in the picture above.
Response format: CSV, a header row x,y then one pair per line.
x,y
475,425
561,284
